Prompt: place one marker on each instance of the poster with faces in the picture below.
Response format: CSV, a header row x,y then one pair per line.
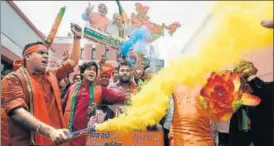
x,y
99,113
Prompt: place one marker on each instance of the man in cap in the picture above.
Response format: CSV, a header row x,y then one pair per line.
x,y
105,74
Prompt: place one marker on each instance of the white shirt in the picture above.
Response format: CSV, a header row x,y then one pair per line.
x,y
112,29
223,127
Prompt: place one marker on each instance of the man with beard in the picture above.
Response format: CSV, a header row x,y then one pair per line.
x,y
83,95
125,83
32,97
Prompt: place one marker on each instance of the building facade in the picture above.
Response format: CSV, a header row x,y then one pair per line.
x,y
16,32
89,51
263,60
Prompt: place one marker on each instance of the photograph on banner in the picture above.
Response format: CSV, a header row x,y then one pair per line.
x,y
100,113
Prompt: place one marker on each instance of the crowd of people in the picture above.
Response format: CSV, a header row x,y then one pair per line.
x,y
42,106
67,101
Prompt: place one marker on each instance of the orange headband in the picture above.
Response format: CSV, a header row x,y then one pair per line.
x,y
107,69
33,49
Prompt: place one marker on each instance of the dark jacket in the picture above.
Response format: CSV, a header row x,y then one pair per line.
x,y
261,117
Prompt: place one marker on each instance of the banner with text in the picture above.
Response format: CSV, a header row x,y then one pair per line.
x,y
100,113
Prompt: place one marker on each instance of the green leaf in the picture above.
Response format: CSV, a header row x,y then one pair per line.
x,y
236,105
203,102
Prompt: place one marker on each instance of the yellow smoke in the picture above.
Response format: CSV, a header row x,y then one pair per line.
x,y
235,29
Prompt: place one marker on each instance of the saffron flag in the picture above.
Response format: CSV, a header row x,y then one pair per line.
x,y
122,13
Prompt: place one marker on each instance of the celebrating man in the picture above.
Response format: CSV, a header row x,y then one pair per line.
x,y
32,97
126,83
105,74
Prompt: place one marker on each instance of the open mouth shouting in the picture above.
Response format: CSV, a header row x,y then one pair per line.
x,y
91,77
45,63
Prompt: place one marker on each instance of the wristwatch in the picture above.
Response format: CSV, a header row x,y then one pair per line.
x,y
77,37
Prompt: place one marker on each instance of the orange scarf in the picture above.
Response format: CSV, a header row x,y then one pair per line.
x,y
39,112
38,105
107,69
32,49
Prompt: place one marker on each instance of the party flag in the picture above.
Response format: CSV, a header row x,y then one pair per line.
x,y
56,25
122,13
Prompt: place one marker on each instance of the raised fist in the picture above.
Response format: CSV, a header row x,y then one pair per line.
x,y
76,29
65,56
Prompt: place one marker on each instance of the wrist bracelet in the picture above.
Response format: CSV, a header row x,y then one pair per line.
x,y
39,126
77,37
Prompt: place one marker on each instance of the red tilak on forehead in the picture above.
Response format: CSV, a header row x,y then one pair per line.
x,y
33,49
